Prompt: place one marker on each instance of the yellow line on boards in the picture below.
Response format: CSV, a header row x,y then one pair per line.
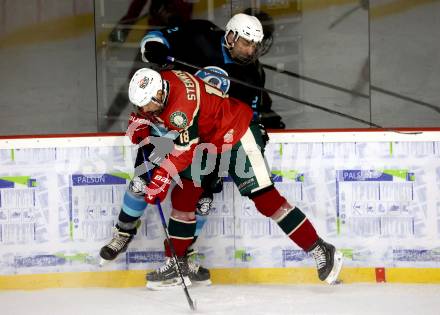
x,y
110,279
413,275
136,278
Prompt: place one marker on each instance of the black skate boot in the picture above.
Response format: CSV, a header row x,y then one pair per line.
x,y
168,276
197,273
328,261
119,244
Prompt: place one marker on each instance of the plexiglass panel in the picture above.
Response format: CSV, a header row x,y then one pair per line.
x,y
47,62
319,57
321,52
405,59
120,26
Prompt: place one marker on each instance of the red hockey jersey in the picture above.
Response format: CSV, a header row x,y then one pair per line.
x,y
201,114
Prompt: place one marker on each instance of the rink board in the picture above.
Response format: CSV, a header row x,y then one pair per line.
x,y
375,195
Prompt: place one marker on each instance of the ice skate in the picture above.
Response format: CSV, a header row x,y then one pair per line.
x,y
328,261
117,245
167,276
198,274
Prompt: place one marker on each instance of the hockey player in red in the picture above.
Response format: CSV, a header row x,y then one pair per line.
x,y
234,51
205,118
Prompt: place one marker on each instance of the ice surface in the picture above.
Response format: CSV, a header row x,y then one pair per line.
x,y
228,299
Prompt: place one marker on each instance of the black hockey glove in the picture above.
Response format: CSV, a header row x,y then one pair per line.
x,y
156,52
213,183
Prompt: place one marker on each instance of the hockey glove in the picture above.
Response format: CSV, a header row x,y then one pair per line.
x,y
138,128
156,52
158,186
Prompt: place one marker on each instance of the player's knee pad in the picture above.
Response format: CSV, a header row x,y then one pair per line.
x,y
185,198
133,202
267,200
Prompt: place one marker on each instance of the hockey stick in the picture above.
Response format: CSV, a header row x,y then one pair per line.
x,y
318,82
291,98
344,16
353,92
191,302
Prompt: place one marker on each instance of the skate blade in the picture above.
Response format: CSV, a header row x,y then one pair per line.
x,y
332,278
161,286
203,283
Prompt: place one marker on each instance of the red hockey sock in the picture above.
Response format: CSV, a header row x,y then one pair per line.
x,y
182,231
181,235
296,225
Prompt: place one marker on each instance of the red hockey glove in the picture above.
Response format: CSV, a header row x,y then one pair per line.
x,y
158,186
138,128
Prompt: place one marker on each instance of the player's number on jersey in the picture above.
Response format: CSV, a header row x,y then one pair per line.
x,y
213,90
184,137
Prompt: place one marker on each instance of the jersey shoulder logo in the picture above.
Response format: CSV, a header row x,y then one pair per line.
x,y
210,75
178,119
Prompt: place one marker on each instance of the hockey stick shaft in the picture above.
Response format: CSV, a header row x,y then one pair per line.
x,y
167,236
344,16
353,92
304,78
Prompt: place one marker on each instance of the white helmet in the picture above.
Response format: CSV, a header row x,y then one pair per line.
x,y
246,26
144,86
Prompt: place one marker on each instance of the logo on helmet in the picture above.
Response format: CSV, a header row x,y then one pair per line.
x,y
144,82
